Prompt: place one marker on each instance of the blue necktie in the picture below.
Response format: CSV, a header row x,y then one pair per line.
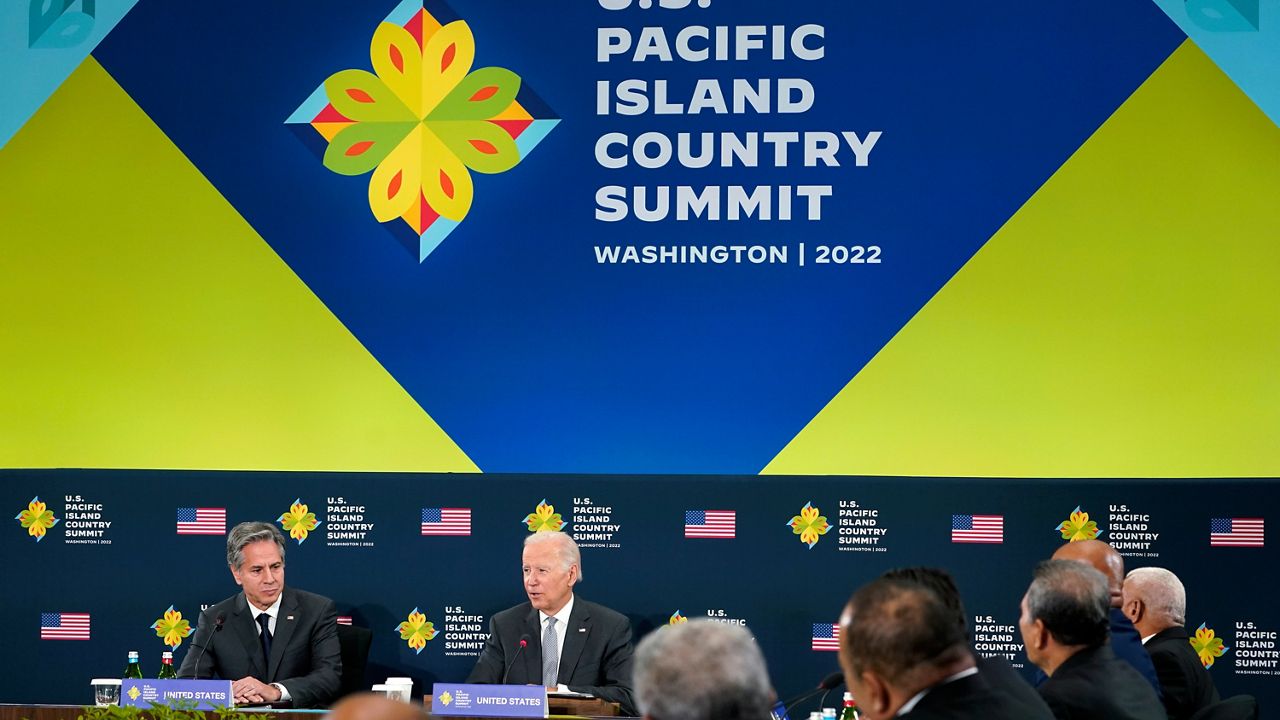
x,y
264,620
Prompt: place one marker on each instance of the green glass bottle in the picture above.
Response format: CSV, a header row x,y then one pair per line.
x,y
166,667
850,708
134,668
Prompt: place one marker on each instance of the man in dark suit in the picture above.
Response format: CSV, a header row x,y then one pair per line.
x,y
277,644
1126,643
557,639
996,671
1156,602
904,655
702,670
1064,627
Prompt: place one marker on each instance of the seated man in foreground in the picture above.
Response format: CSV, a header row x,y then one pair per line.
x,y
556,639
1064,628
277,644
904,654
702,670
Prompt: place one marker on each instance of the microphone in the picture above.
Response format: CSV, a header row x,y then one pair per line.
x,y
524,642
829,683
217,627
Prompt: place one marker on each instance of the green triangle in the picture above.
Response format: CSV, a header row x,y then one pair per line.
x,y
1125,322
146,325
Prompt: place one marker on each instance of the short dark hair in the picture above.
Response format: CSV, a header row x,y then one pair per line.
x,y
940,582
1072,600
251,532
896,627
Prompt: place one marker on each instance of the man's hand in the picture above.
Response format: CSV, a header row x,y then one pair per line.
x,y
251,690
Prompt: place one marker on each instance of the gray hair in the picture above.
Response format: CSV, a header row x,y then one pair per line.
x,y
701,670
1162,592
251,532
1073,600
566,548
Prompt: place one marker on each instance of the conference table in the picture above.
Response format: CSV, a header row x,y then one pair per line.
x,y
559,707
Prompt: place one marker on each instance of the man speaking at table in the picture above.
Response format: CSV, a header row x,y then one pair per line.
x,y
561,641
276,644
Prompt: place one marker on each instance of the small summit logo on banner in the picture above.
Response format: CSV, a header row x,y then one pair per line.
x,y
677,619
1207,646
544,518
36,519
422,122
1078,527
416,631
172,627
298,521
810,525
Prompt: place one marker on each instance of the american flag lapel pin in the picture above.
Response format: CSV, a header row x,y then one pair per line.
x,y
288,617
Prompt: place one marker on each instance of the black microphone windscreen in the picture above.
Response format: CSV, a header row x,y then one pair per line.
x,y
832,681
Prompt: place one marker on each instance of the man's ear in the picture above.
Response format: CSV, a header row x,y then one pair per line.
x,y
235,574
878,701
1134,609
1041,639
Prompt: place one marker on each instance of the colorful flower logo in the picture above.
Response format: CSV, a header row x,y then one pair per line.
x,y
172,627
446,698
423,121
1208,647
544,518
677,619
416,631
298,521
1078,527
809,525
36,519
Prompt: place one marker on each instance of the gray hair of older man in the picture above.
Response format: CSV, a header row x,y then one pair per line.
x,y
251,532
1073,600
566,548
1162,591
702,670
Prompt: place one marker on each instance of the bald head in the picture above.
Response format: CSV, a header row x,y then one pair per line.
x,y
1154,600
1103,558
369,706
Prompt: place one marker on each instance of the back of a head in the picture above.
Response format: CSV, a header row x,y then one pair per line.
x,y
1072,600
901,630
1161,591
701,670
937,580
369,706
1104,558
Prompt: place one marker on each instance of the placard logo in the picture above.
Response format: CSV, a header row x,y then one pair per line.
x,y
544,518
810,525
36,519
299,521
1078,527
423,121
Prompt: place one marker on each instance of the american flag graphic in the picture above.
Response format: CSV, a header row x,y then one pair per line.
x,y
202,521
64,626
826,636
446,521
344,619
977,528
710,523
1235,532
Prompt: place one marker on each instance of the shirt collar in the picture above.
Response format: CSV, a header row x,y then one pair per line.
x,y
273,611
562,617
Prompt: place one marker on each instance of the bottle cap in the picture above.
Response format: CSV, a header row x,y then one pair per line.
x,y
167,655
133,654
848,697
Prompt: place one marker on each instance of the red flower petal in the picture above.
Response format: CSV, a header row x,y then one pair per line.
x,y
446,184
485,93
447,58
359,95
484,146
359,148
394,186
396,58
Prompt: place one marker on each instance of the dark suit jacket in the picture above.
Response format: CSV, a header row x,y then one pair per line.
x,y
1094,684
1127,645
974,697
305,658
1187,686
596,659
1006,681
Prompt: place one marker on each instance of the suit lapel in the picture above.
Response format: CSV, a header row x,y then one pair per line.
x,y
575,639
285,622
247,633
533,654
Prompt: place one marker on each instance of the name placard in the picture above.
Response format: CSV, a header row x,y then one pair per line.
x,y
207,694
511,701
